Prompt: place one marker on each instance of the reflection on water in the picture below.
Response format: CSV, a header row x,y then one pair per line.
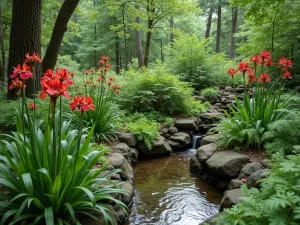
x,y
166,193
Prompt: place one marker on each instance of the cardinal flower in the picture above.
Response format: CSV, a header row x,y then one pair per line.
x,y
243,67
251,77
53,88
284,64
231,72
82,104
16,84
23,72
256,60
286,75
32,106
64,76
264,78
32,59
266,58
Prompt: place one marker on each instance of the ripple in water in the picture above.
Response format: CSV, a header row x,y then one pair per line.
x,y
166,193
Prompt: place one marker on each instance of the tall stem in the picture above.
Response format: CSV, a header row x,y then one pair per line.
x,y
53,104
59,133
23,111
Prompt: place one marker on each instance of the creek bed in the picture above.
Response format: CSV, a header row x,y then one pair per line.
x,y
167,193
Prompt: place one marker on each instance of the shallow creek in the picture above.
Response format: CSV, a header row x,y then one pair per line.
x,y
167,193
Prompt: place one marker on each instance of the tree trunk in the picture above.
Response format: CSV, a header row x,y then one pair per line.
x,y
117,55
59,30
125,37
148,43
3,61
218,40
138,39
233,31
25,37
208,25
172,35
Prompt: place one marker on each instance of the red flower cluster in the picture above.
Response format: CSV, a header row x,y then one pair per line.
x,y
264,58
82,104
22,72
285,64
16,83
32,59
264,78
243,67
55,84
251,77
32,107
231,72
103,64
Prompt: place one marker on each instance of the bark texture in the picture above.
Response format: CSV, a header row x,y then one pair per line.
x,y
3,61
233,31
25,37
208,25
60,27
172,35
138,39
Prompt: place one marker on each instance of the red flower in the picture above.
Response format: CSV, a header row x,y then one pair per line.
x,y
284,64
64,76
243,67
109,83
231,72
32,59
266,58
256,60
83,104
53,88
116,87
49,75
264,78
251,77
117,91
32,106
287,74
23,72
16,84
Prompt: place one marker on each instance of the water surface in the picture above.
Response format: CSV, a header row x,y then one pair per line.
x,y
166,193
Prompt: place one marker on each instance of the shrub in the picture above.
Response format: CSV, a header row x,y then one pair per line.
x,y
209,93
156,90
145,130
248,121
277,202
196,63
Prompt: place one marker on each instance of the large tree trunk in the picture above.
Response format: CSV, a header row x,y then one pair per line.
x,y
59,30
172,35
148,43
138,39
25,37
3,61
233,31
218,39
117,54
208,25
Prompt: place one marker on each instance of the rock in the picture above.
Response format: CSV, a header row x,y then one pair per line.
x,y
122,148
205,152
119,162
164,130
167,136
185,124
209,139
230,198
173,130
252,181
179,141
235,183
129,139
266,163
128,188
211,117
228,88
203,128
226,163
86,220
195,165
114,176
249,168
121,215
134,155
159,148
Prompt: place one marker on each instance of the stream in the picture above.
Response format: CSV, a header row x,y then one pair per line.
x,y
167,193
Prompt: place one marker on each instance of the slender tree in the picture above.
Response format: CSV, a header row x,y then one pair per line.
x,y
233,31
219,20
172,35
25,36
138,39
209,20
60,27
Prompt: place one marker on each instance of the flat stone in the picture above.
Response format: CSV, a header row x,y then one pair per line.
x,y
164,130
226,163
185,124
230,198
209,139
205,152
129,139
235,183
181,137
249,169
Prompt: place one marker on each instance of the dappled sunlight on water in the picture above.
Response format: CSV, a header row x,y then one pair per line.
x,y
166,193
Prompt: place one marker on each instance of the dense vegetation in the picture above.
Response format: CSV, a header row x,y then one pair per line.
x,y
135,66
